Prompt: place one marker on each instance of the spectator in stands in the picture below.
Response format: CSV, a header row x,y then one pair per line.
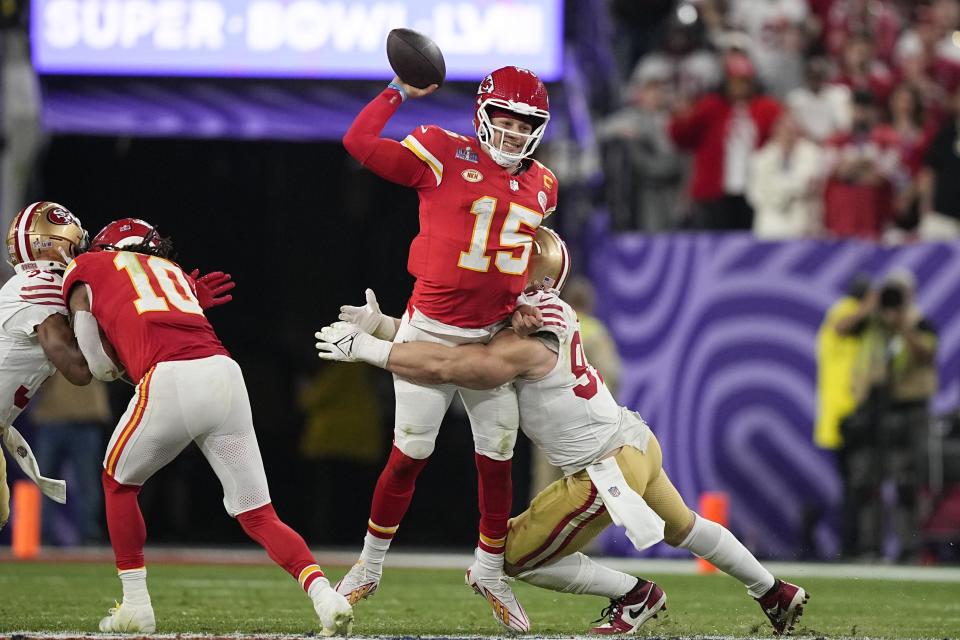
x,y
778,31
837,347
784,185
695,68
933,31
69,438
847,19
821,108
904,132
926,59
858,193
938,181
644,171
862,71
722,130
894,379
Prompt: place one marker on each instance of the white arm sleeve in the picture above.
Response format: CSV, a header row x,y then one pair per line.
x,y
88,337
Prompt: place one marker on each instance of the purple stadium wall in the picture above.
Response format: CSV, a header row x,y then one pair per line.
x,y
717,334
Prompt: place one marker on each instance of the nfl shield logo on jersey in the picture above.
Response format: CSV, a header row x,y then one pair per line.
x,y
514,185
615,492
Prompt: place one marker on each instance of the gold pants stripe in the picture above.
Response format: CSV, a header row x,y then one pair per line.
x,y
566,530
569,513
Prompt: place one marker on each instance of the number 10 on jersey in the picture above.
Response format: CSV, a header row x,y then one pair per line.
x,y
476,259
181,297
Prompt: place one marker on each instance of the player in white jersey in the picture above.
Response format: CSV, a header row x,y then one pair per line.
x,y
35,336
612,461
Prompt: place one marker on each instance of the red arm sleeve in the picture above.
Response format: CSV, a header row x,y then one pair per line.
x,y
686,128
386,158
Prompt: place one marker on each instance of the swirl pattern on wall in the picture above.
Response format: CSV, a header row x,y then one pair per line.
x,y
717,333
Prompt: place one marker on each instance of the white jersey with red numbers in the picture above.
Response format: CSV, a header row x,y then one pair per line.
x,y
569,413
477,223
26,300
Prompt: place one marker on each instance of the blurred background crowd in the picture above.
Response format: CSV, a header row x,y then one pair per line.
x,y
793,118
763,204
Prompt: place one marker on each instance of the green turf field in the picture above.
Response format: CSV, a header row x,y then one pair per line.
x,y
262,599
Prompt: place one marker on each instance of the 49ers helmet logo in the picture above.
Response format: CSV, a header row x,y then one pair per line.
x,y
60,216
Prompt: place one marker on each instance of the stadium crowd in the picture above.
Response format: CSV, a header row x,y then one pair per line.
x,y
795,118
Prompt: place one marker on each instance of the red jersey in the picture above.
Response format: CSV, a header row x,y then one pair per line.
x,y
146,306
477,221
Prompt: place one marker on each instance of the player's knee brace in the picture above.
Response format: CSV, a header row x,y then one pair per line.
x,y
496,444
416,442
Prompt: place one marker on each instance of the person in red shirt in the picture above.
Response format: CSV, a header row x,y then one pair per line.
x,y
860,167
722,130
482,198
150,312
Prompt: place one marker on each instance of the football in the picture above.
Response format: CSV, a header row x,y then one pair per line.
x,y
415,58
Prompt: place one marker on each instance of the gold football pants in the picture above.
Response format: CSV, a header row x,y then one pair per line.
x,y
569,513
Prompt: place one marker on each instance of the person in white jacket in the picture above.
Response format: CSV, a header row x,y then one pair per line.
x,y
784,184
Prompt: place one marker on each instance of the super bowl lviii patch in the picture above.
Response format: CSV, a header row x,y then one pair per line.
x,y
468,154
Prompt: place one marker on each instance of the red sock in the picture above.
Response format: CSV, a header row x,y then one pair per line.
x,y
495,489
283,544
125,524
393,494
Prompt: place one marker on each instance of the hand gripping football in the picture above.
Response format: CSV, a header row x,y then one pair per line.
x,y
415,58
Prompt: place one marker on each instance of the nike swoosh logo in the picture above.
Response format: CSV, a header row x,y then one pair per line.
x,y
635,613
423,129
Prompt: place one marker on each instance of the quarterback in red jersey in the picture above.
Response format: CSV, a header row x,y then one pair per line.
x,y
482,198
189,390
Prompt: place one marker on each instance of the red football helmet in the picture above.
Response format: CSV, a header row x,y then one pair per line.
x,y
517,91
124,233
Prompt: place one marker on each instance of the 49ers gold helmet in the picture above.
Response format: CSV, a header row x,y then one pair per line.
x,y
550,263
45,231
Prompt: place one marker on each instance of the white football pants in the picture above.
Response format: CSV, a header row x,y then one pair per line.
x,y
203,401
494,415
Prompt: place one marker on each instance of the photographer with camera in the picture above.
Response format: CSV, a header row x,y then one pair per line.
x,y
894,378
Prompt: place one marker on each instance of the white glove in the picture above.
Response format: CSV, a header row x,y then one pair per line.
x,y
346,342
369,318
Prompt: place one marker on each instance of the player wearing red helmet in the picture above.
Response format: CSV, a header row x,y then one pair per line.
x,y
189,390
611,458
482,198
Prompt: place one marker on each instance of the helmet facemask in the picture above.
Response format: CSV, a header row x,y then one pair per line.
x,y
486,130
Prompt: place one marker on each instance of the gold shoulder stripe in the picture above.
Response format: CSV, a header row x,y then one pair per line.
x,y
428,158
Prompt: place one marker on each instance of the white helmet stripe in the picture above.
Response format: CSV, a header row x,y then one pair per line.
x,y
23,247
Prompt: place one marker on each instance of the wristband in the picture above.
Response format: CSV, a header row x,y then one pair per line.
x,y
400,90
372,350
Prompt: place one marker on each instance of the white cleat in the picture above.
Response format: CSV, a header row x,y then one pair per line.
x,y
126,617
507,610
359,583
335,613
